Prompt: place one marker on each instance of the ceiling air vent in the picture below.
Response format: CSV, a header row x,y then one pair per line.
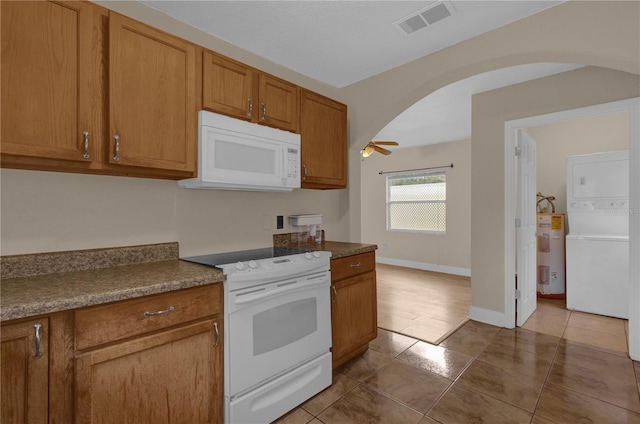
x,y
424,18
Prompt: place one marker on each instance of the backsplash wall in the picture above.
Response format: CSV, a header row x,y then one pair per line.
x,y
48,212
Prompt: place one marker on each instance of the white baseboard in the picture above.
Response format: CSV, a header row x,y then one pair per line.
x,y
487,316
466,272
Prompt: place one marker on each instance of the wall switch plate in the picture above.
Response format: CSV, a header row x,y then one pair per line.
x,y
279,222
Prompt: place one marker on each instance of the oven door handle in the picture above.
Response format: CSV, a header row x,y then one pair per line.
x,y
269,293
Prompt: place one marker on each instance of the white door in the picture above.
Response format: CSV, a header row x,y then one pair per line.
x,y
526,228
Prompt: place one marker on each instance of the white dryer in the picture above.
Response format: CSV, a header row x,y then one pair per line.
x,y
597,246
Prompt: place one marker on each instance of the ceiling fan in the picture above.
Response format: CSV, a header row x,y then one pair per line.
x,y
374,146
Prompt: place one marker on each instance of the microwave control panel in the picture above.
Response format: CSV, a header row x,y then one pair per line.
x,y
292,163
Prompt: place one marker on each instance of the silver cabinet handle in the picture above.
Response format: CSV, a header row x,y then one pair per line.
x,y
85,134
216,341
335,294
250,108
304,172
166,311
356,265
36,353
264,111
116,157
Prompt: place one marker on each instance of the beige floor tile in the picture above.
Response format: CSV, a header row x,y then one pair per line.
x,y
297,416
513,388
602,386
435,359
435,330
548,320
460,405
391,343
340,385
427,420
537,420
515,360
596,361
597,323
392,322
417,388
566,406
361,367
471,338
543,345
600,339
365,405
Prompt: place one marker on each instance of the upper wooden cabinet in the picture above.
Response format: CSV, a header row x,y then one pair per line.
x,y
88,90
151,97
25,372
323,132
234,89
49,82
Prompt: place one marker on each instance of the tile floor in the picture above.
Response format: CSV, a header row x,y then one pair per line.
x,y
482,374
421,304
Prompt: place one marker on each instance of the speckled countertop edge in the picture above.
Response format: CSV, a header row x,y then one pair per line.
x,y
114,278
43,294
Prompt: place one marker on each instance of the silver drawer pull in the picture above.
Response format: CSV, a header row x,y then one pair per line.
x,y
335,294
216,341
116,157
166,311
250,108
356,265
85,135
36,353
264,111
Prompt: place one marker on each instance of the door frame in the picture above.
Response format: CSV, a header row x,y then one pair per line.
x,y
632,106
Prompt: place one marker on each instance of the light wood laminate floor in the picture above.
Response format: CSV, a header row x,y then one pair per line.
x,y
421,304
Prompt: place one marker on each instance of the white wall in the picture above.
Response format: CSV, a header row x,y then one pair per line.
x,y
440,252
555,142
47,211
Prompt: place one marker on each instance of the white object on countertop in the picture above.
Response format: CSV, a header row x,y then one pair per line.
x,y
300,220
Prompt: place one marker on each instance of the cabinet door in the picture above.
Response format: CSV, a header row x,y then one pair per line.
x,y
25,372
353,314
170,377
151,97
278,103
48,84
323,133
227,87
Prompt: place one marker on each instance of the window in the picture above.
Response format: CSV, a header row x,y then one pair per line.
x,y
417,203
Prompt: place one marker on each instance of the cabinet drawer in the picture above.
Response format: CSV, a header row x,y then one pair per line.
x,y
105,323
352,265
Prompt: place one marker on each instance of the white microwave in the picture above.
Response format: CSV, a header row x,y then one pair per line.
x,y
239,155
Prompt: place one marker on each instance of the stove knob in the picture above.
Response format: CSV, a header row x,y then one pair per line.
x,y
307,255
253,264
240,266
316,254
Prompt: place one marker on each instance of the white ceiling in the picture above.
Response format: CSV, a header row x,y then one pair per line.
x,y
341,42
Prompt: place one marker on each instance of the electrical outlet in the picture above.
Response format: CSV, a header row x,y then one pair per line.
x,y
384,246
279,222
468,257
446,254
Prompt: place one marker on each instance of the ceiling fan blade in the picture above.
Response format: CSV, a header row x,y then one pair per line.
x,y
381,150
386,143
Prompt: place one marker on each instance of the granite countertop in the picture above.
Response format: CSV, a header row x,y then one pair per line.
x,y
37,284
341,249
29,295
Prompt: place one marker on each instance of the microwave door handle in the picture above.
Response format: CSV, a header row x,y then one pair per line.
x,y
284,162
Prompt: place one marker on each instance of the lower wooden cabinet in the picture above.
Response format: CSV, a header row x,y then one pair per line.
x,y
165,369
25,372
170,377
354,319
155,365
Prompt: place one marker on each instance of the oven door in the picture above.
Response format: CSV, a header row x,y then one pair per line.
x,y
274,327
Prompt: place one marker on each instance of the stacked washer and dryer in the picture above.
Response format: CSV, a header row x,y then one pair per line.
x,y
597,245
